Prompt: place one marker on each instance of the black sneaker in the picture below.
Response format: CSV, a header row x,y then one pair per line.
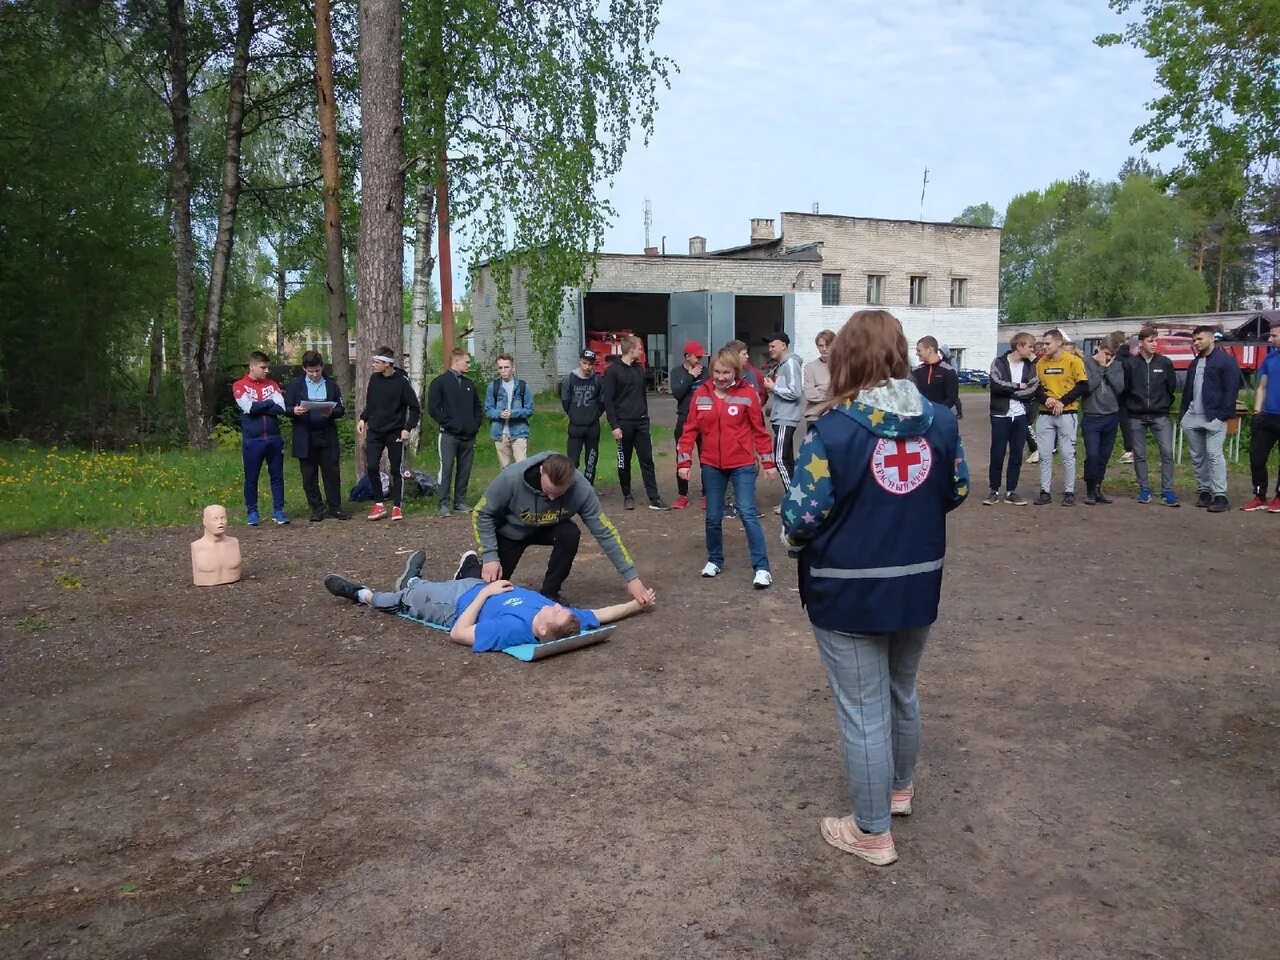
x,y
317,516
659,504
467,563
1204,498
1102,497
628,502
412,568
992,499
1042,498
1090,498
1219,504
1068,499
342,587
1015,498
339,515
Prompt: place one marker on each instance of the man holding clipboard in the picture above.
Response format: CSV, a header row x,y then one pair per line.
x,y
314,402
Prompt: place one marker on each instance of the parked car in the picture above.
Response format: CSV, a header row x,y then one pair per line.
x,y
973,378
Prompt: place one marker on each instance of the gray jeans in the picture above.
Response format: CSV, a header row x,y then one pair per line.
x,y
455,451
873,686
430,600
1208,463
1161,428
1057,433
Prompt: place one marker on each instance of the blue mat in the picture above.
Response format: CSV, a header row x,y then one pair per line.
x,y
534,651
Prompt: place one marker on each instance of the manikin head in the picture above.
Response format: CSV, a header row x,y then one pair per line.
x,y
313,365
1202,337
1022,347
779,343
384,362
215,520
823,343
259,363
726,368
506,367
556,476
927,350
459,360
554,623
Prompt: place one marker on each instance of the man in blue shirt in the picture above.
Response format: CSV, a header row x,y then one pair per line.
x,y
483,616
1266,426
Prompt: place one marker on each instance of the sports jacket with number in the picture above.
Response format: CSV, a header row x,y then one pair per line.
x,y
732,429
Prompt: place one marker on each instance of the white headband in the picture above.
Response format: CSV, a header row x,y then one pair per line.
x,y
381,358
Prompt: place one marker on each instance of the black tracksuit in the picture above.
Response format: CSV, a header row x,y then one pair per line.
x,y
683,383
583,400
939,383
627,409
390,406
454,403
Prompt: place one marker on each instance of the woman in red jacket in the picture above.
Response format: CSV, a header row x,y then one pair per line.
x,y
726,419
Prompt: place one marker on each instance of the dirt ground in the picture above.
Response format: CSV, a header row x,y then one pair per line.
x,y
263,770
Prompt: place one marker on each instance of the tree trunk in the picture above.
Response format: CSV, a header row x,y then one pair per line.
x,y
282,295
420,305
228,205
1222,268
335,271
184,249
380,269
155,370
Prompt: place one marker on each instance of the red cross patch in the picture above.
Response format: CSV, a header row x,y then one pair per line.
x,y
900,466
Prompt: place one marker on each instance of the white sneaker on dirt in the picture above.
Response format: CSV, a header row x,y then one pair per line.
x,y
1034,458
710,570
1127,458
762,579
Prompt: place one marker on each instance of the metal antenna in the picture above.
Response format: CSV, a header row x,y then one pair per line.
x,y
923,186
815,206
648,220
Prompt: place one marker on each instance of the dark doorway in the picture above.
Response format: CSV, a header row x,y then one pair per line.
x,y
755,318
644,314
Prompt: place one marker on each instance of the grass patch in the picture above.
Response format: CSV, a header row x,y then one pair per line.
x,y
51,488
32,624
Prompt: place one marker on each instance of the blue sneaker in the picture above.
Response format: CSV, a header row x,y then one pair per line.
x,y
279,517
1169,499
254,519
1144,495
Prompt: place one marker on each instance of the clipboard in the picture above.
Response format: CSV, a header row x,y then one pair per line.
x,y
323,406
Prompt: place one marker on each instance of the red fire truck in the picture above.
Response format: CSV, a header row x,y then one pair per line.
x,y
607,343
1246,342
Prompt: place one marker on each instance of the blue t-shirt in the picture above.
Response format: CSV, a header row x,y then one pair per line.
x,y
506,620
1271,370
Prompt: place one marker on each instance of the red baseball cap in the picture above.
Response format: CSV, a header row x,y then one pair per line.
x,y
694,347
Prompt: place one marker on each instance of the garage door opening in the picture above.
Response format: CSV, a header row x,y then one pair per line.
x,y
643,314
754,319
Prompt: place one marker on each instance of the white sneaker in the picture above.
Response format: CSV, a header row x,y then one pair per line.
x,y
1127,458
1034,458
763,579
710,570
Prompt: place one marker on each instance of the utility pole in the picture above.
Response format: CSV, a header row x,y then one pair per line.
x,y
923,186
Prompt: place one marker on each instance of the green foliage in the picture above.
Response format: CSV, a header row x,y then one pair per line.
x,y
1088,249
978,215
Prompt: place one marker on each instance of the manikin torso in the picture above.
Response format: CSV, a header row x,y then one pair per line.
x,y
215,557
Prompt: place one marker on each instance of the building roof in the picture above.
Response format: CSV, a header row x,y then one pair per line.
x,y
923,223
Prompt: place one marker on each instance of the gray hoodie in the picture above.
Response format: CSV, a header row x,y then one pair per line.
x,y
788,392
1106,385
520,508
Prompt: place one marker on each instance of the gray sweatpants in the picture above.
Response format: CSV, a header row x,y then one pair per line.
x,y
1208,463
431,600
1161,428
1057,433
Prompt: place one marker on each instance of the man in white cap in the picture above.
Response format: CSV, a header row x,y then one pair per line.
x,y
391,410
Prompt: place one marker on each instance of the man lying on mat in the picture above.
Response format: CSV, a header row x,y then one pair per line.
x,y
483,616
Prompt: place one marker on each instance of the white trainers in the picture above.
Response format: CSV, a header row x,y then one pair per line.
x,y
1034,458
710,570
763,579
1128,457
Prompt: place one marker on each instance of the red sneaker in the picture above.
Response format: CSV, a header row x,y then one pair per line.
x,y
680,503
1275,505
396,514
378,512
1256,504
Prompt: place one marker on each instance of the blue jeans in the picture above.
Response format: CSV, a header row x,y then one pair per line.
x,y
252,452
715,481
1099,440
873,686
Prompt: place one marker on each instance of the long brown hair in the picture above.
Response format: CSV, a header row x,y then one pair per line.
x,y
869,349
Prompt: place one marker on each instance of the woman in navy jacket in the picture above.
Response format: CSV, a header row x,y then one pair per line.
x,y
315,435
877,475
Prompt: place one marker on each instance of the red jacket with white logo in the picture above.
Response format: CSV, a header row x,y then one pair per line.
x,y
730,431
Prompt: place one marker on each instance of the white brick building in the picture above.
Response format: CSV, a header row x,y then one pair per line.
x,y
938,279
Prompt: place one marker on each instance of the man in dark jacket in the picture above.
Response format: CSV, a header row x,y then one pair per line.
x,y
684,380
582,397
1152,384
391,410
1125,357
314,403
454,403
627,409
1014,386
1208,402
936,379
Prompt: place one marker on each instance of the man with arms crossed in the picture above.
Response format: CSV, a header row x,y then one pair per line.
x,y
581,396
1208,402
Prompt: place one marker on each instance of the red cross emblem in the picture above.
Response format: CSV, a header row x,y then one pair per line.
x,y
900,466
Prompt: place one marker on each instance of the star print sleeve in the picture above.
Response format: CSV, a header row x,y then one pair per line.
x,y
806,508
959,478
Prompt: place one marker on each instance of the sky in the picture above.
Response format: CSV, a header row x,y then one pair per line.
x,y
843,103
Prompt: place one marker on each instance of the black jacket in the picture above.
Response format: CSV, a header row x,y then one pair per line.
x,y
683,383
313,423
939,383
390,405
1151,386
625,402
1003,389
1221,385
454,402
582,399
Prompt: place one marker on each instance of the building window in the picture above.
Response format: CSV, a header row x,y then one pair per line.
x,y
957,358
830,289
875,288
917,292
959,288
